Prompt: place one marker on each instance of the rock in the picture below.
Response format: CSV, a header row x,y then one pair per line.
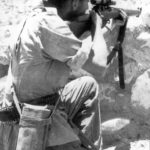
x,y
111,130
136,145
114,125
146,15
140,145
140,98
111,148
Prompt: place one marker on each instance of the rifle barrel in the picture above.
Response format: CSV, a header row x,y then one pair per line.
x,y
133,12
130,12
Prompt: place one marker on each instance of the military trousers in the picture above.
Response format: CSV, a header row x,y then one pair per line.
x,y
81,102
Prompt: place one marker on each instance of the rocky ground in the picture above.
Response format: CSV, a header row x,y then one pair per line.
x,y
125,113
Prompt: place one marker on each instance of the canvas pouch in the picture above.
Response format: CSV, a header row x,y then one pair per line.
x,y
34,126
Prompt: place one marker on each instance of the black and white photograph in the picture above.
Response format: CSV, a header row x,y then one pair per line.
x,y
75,75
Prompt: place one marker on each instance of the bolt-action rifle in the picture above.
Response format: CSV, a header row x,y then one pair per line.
x,y
106,11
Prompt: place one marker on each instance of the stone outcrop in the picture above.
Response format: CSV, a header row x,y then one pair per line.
x,y
137,145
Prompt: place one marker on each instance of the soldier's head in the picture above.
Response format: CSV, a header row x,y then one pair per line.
x,y
69,9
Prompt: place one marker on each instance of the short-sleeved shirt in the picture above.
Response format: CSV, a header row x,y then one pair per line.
x,y
46,44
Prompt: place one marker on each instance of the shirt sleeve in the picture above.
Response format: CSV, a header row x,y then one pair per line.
x,y
77,61
60,43
57,39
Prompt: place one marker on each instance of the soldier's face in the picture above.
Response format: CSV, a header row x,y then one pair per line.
x,y
83,7
76,8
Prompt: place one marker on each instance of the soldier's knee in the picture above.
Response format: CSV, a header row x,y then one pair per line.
x,y
91,87
93,91
90,81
